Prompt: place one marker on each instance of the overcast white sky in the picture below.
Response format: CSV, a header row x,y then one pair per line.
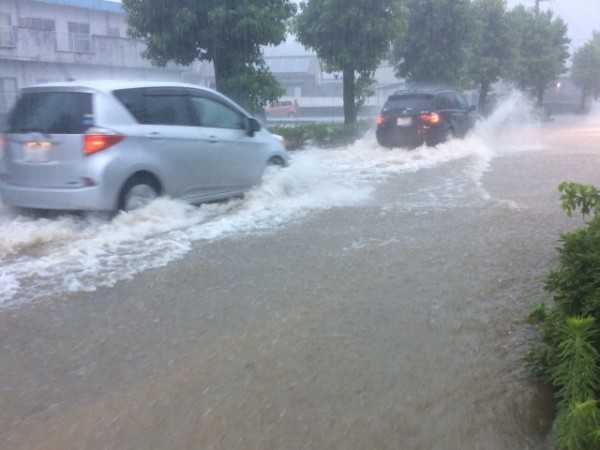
x,y
583,16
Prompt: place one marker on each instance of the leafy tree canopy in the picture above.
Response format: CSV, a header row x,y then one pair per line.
x,y
434,48
543,49
586,68
352,36
229,33
492,53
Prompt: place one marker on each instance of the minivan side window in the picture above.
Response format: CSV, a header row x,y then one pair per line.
x,y
133,101
214,114
161,106
167,107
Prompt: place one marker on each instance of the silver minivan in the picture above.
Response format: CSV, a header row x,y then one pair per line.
x,y
108,145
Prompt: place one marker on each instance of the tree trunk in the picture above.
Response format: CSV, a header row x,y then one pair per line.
x,y
220,75
584,96
226,68
539,94
349,95
483,96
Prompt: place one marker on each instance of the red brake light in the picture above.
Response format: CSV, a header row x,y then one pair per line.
x,y
380,120
97,140
2,143
430,118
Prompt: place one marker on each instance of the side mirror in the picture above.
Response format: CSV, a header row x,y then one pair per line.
x,y
252,126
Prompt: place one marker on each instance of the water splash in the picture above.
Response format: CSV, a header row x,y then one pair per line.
x,y
41,256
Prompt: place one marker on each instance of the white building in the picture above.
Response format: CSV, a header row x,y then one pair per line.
x,y
57,40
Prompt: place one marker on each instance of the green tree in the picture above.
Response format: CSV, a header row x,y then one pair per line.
x,y
228,33
351,36
586,69
492,52
543,50
434,49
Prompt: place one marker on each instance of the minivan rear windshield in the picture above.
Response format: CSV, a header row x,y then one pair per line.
x,y
52,112
418,102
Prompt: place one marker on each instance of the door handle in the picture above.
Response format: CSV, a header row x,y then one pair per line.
x,y
154,135
213,139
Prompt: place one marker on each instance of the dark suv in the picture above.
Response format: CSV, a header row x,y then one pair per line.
x,y
413,118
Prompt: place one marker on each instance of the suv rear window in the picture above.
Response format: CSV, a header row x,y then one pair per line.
x,y
410,101
52,112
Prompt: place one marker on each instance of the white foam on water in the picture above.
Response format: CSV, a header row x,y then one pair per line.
x,y
41,256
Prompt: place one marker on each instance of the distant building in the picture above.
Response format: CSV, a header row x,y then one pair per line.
x,y
299,76
56,40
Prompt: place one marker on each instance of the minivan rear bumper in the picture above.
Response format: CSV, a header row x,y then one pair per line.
x,y
76,199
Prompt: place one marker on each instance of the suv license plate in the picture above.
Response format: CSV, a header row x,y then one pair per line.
x,y
403,121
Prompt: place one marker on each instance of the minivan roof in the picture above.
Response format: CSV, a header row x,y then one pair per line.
x,y
108,86
112,85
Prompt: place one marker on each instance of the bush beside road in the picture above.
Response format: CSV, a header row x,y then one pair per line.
x,y
568,356
324,135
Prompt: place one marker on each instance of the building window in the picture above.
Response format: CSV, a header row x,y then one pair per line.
x,y
33,23
79,37
8,94
7,33
114,32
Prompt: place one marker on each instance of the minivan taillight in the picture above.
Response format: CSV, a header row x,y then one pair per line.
x,y
97,140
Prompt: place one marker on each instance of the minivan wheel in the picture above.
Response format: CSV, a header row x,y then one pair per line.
x,y
138,192
276,161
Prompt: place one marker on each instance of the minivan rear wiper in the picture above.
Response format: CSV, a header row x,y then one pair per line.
x,y
31,130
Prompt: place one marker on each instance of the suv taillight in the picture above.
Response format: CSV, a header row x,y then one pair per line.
x,y
380,120
99,139
430,118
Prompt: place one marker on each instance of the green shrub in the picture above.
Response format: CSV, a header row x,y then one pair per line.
x,y
579,197
575,283
568,355
537,314
322,135
578,425
575,375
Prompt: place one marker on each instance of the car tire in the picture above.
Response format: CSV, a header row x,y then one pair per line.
x,y
139,191
276,161
447,136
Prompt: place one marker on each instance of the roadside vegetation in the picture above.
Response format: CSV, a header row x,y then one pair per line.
x,y
321,135
568,355
463,43
352,37
227,34
586,70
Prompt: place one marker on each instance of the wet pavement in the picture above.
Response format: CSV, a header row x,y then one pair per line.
x,y
392,322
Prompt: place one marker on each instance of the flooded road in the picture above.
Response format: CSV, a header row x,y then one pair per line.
x,y
361,299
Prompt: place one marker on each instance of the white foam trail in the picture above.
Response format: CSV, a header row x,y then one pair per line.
x,y
40,256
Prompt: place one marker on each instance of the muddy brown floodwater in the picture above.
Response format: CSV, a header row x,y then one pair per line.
x,y
396,323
